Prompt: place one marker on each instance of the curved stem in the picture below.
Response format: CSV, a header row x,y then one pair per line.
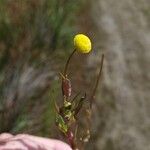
x,y
97,81
67,63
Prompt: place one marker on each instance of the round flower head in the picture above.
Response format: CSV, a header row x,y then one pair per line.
x,y
82,43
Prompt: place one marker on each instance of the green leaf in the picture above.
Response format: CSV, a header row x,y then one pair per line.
x,y
61,124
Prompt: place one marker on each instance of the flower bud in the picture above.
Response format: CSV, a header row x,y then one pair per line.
x,y
66,87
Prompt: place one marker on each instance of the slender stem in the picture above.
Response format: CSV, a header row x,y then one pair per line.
x,y
67,63
71,140
97,81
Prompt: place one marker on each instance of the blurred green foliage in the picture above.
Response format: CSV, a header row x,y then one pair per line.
x,y
37,23
32,32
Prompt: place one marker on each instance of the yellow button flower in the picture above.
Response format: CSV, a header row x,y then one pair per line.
x,y
82,43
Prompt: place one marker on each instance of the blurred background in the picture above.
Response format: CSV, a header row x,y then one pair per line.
x,y
36,38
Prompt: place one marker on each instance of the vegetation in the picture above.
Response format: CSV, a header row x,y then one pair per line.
x,y
68,115
31,34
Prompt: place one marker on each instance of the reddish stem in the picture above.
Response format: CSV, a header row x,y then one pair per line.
x,y
67,63
97,81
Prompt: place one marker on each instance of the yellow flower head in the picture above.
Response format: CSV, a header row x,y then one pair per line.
x,y
82,43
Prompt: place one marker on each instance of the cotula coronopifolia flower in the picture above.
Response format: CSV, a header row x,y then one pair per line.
x,y
82,43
